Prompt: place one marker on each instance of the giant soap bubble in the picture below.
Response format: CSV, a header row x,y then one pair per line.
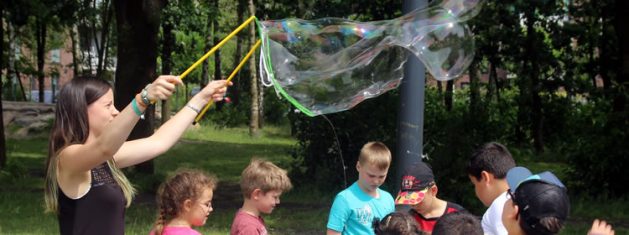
x,y
332,64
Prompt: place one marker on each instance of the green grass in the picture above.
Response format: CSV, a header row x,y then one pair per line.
x,y
225,152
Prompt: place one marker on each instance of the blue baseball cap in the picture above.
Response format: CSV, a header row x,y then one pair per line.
x,y
539,196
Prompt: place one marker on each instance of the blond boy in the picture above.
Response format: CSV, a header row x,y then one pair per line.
x,y
261,183
355,208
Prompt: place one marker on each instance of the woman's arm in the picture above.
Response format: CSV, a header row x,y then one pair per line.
x,y
140,150
80,158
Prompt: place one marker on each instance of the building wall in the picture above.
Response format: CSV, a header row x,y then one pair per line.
x,y
59,59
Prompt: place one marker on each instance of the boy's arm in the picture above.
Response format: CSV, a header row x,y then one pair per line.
x,y
339,214
332,232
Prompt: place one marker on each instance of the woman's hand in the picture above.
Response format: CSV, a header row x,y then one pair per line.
x,y
163,87
214,90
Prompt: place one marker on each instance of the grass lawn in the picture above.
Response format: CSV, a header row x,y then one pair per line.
x,y
223,152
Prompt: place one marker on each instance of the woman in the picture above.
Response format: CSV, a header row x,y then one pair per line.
x,y
87,148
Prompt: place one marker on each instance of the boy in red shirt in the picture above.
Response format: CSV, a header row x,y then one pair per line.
x,y
419,192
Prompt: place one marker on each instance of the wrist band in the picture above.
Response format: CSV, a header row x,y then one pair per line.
x,y
137,111
138,100
193,108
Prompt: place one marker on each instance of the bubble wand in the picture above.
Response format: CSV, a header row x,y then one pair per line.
x,y
219,45
242,63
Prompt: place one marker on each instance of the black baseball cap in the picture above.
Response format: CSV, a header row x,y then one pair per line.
x,y
538,196
416,180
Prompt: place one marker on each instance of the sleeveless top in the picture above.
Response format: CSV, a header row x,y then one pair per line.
x,y
100,211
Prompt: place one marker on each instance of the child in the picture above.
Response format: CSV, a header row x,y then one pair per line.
x,y
261,183
355,208
184,200
537,204
396,223
458,223
419,191
487,170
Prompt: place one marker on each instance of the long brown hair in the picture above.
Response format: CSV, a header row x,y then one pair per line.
x,y
184,185
71,127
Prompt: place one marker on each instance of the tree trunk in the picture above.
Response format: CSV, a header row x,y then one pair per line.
x,y
204,66
167,48
255,111
534,85
19,80
73,40
260,105
3,149
41,53
474,88
447,100
439,88
137,23
606,46
104,41
13,61
234,90
493,83
218,73
619,103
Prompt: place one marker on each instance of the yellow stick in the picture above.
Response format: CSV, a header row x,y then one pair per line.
x,y
242,63
219,45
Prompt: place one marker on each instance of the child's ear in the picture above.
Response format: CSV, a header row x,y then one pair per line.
x,y
187,205
486,177
434,190
514,213
257,193
358,166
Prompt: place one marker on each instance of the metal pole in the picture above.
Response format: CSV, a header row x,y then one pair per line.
x,y
411,108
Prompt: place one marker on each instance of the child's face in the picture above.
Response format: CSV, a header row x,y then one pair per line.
x,y
266,202
201,208
480,189
426,204
370,177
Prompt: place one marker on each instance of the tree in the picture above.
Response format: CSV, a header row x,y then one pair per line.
x,y
168,43
40,36
235,89
138,24
3,149
254,122
620,97
205,75
91,36
215,29
48,13
94,27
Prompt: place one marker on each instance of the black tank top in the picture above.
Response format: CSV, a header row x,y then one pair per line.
x,y
100,211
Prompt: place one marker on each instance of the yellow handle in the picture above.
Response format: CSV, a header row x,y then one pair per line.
x,y
242,63
219,45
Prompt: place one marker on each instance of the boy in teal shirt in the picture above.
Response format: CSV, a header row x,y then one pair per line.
x,y
355,208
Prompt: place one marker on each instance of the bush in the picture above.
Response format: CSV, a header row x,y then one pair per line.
x,y
597,149
327,143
